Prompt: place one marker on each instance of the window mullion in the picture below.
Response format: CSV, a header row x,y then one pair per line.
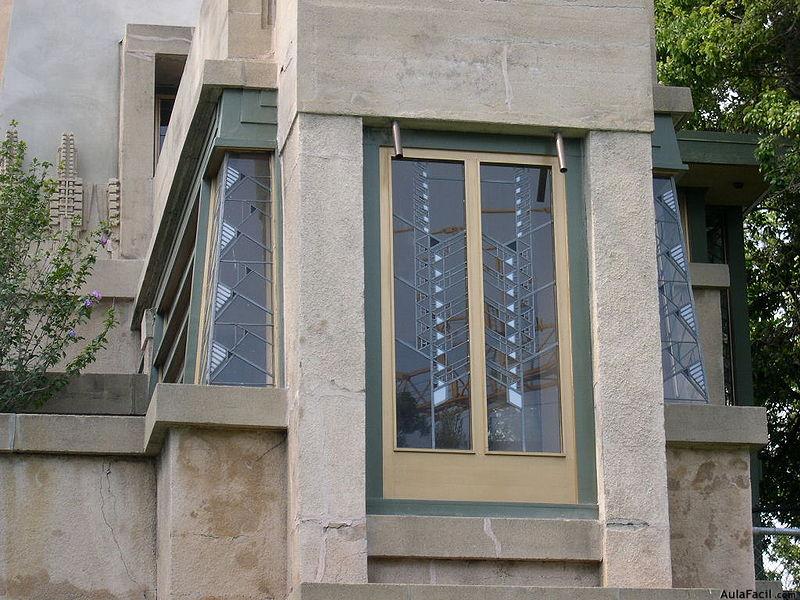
x,y
475,301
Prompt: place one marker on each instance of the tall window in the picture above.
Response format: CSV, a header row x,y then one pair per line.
x,y
239,315
682,363
476,336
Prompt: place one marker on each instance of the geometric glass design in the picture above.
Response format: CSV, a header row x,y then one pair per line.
x,y
682,361
432,382
520,313
241,349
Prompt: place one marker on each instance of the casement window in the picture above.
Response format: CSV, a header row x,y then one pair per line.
x,y
477,381
237,318
681,358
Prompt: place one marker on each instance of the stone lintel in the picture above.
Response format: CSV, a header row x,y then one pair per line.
x,y
712,425
212,406
476,538
158,39
708,275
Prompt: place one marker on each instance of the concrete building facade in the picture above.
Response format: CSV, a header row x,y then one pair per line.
x,y
418,301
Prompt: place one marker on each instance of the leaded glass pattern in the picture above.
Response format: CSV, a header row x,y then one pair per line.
x,y
520,313
241,348
432,360
684,375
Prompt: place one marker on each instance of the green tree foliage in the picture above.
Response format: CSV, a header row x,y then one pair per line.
x,y
741,58
42,273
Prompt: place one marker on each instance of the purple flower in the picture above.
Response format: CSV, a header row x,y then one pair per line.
x,y
88,303
71,333
104,239
96,295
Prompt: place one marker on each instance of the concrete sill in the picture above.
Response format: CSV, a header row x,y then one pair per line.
x,y
181,405
386,591
172,405
715,425
476,538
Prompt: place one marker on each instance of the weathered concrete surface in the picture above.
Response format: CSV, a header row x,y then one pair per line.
x,y
222,515
553,64
122,353
322,171
484,572
77,527
628,395
216,406
484,538
697,425
709,275
710,518
101,394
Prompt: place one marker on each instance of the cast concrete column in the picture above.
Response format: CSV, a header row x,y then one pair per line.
x,y
629,414
324,323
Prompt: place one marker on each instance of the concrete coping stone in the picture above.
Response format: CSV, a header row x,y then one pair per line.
x,y
708,275
381,591
672,99
715,425
479,538
71,434
213,406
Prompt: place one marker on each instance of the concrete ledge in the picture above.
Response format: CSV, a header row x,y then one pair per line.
x,y
715,425
71,434
176,405
672,99
708,275
380,591
484,538
115,278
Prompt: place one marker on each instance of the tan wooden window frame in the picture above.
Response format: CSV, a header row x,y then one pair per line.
x,y
478,474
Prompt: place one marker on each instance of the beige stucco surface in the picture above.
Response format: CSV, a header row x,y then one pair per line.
x,y
222,515
628,395
710,518
322,175
552,64
483,572
76,527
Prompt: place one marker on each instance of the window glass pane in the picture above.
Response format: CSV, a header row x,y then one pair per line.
x,y
241,344
684,376
432,376
520,313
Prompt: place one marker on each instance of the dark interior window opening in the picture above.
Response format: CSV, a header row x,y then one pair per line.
x,y
168,72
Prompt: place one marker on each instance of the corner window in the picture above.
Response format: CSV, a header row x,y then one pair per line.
x,y
237,319
681,359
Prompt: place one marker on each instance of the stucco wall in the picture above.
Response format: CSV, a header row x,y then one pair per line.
x,y
710,518
62,73
77,527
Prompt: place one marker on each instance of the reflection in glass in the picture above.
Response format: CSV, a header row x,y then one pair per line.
x,y
520,314
684,376
241,336
432,377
